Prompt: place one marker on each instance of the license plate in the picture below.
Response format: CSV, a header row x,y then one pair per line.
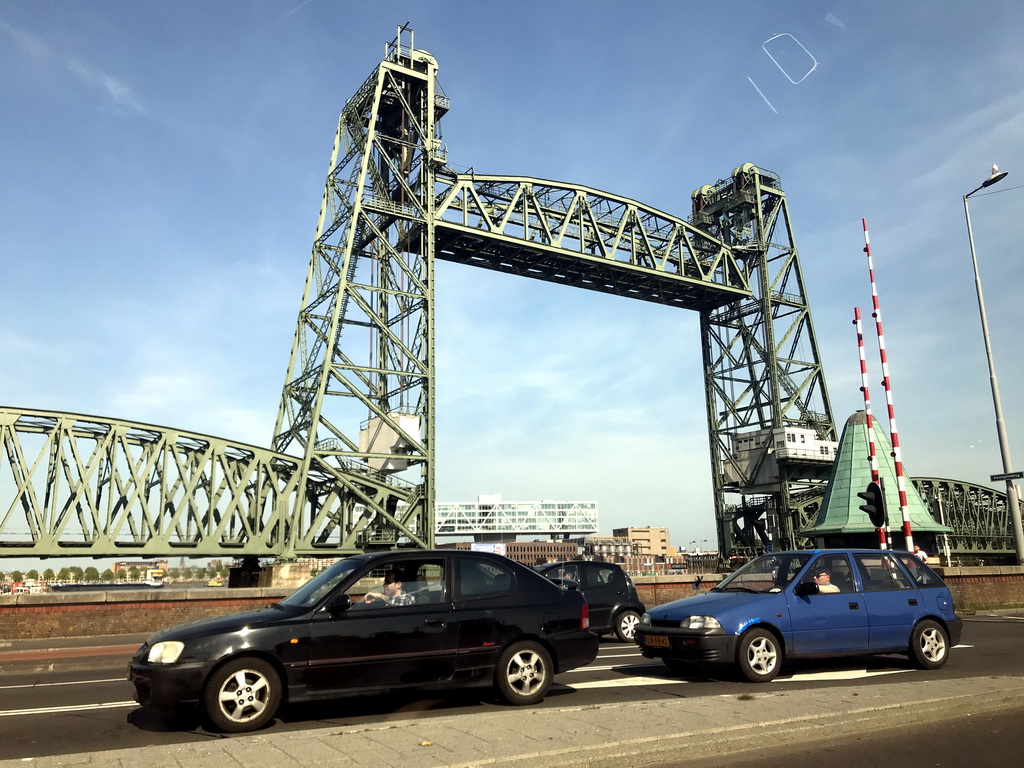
x,y
657,641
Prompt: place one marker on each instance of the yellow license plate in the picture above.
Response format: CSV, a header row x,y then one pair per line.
x,y
657,641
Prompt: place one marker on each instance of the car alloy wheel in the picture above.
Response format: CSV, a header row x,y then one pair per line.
x,y
242,695
759,655
625,626
524,673
929,645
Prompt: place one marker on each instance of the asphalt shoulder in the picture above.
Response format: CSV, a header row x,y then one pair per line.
x,y
65,653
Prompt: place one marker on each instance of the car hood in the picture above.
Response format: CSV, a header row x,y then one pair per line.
x,y
219,625
724,606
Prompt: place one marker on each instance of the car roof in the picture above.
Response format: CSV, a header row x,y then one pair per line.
x,y
545,566
418,553
836,551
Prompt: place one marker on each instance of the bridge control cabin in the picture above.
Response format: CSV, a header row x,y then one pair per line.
x,y
757,456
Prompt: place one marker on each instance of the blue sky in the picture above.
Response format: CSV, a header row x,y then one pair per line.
x,y
161,168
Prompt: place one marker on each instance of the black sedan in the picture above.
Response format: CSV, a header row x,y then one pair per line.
x,y
368,624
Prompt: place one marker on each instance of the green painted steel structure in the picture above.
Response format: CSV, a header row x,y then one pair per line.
x,y
352,463
82,485
841,522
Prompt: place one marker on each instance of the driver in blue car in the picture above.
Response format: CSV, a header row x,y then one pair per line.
x,y
823,578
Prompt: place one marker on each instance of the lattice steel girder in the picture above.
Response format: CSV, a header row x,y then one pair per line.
x,y
85,486
761,364
362,357
577,236
978,515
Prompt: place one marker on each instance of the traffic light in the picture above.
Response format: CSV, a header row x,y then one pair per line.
x,y
875,504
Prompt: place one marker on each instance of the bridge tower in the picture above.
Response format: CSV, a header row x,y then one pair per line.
x,y
363,350
770,424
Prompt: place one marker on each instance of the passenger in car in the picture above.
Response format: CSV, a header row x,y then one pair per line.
x,y
393,593
823,578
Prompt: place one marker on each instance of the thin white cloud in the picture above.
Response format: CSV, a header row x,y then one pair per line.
x,y
293,11
116,90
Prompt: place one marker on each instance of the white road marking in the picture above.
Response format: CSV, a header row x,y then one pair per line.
x,y
838,674
625,682
70,708
66,682
617,667
799,677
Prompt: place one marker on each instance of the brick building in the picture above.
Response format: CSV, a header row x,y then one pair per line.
x,y
530,553
648,541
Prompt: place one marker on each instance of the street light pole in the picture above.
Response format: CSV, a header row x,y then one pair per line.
x,y
1012,501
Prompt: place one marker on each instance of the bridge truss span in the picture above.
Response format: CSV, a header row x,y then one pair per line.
x,y
585,238
88,486
978,515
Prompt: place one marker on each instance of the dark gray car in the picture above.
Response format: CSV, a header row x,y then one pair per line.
x,y
611,595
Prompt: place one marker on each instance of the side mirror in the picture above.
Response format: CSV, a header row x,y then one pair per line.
x,y
806,589
339,605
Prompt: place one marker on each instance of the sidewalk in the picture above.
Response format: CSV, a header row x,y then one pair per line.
x,y
675,730
600,736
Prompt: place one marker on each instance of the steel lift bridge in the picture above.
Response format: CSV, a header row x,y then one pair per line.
x,y
351,465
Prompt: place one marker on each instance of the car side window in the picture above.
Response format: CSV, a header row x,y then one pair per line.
x,y
831,573
600,575
880,573
922,575
399,583
482,578
569,572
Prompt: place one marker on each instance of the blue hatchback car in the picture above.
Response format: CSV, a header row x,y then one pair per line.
x,y
808,604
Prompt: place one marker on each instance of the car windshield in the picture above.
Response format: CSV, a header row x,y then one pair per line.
x,y
320,585
768,573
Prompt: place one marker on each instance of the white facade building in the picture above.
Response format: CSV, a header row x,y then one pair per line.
x,y
490,516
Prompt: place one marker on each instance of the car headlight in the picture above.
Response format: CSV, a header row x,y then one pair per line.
x,y
165,653
700,622
646,619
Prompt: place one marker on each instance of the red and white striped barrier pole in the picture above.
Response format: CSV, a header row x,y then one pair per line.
x,y
877,314
872,459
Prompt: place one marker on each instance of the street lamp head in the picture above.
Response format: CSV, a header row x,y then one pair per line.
x,y
996,176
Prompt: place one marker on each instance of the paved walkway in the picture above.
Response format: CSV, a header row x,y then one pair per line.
x,y
674,730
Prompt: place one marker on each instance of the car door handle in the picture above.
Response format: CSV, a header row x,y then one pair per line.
x,y
911,601
435,623
854,606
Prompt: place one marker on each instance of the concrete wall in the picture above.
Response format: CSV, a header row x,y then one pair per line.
x,y
85,614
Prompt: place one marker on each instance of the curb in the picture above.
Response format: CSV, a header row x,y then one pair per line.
x,y
800,730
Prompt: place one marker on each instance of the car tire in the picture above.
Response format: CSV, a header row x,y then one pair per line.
x,y
243,695
929,645
625,625
524,673
759,655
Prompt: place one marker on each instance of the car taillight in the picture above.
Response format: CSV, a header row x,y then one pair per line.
x,y
585,617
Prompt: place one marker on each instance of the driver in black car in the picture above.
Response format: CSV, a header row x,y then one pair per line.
x,y
392,595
